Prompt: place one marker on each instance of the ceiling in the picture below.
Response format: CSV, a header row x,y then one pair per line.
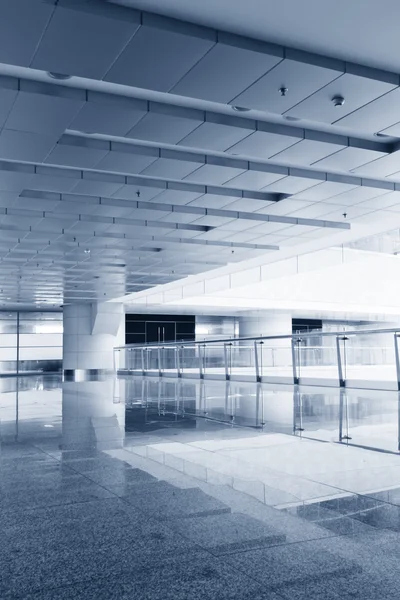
x,y
125,163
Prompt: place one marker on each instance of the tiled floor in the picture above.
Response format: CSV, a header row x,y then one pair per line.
x,y
161,491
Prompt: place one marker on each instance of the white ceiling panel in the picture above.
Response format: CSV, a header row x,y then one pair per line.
x,y
177,197
249,205
253,180
381,202
164,128
96,188
356,91
75,156
285,207
351,212
8,199
180,234
130,192
173,217
240,237
306,152
348,159
7,99
123,162
299,78
108,115
213,201
160,54
50,183
215,136
357,195
265,228
26,146
262,144
85,42
21,26
324,191
381,167
375,116
42,114
170,168
291,185
226,70
314,211
214,174
15,181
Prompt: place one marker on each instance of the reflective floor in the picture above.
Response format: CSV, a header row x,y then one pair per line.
x,y
134,488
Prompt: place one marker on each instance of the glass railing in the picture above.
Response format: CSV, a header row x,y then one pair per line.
x,y
362,359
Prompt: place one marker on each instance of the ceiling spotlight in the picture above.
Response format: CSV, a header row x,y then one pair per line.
x,y
87,251
338,101
58,76
283,91
240,109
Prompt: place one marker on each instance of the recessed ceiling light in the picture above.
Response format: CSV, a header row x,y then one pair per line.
x,y
240,108
58,76
87,251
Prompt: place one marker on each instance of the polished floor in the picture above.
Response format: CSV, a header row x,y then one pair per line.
x,y
138,489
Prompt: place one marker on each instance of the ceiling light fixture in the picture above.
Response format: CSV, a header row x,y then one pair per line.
x,y
87,251
240,109
338,101
58,76
283,91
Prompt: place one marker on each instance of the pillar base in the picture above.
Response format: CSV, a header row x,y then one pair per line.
x,y
86,374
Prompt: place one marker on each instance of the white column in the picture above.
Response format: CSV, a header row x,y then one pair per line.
x,y
276,352
91,332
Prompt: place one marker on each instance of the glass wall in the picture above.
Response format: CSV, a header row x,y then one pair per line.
x,y
30,342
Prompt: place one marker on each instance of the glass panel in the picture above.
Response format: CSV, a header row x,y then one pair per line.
x,y
369,358
241,359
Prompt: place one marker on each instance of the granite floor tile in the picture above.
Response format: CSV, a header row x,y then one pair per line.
x,y
110,477
37,498
292,563
205,579
24,572
227,533
170,502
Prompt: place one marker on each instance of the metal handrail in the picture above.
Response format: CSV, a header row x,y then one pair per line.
x,y
259,338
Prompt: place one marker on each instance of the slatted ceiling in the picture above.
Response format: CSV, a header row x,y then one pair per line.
x,y
253,180
357,91
170,52
348,159
19,36
226,70
381,167
300,79
375,116
261,144
164,128
171,168
25,146
215,136
122,162
306,152
214,174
